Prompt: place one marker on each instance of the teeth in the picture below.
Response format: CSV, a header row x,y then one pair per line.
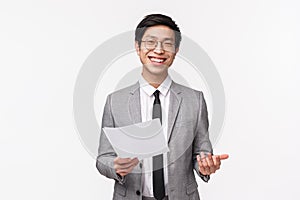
x,y
157,60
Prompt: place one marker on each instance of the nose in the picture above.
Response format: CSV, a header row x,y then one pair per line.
x,y
159,48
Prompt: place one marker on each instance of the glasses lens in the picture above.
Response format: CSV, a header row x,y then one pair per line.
x,y
150,44
168,46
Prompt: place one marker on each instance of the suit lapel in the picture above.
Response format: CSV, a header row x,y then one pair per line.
x,y
175,101
135,104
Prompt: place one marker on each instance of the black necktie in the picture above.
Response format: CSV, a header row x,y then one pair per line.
x,y
158,170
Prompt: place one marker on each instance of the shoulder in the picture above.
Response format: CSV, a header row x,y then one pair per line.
x,y
185,91
122,93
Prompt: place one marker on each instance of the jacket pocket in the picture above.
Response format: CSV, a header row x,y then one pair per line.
x,y
120,189
191,188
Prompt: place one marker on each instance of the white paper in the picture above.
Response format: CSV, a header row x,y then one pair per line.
x,y
141,140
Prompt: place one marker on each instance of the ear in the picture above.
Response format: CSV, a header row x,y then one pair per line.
x,y
176,50
137,48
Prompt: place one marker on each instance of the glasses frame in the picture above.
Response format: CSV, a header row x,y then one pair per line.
x,y
161,44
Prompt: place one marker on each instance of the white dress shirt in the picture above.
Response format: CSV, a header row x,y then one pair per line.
x,y
147,100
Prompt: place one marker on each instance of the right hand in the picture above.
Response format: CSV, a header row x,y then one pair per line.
x,y
124,166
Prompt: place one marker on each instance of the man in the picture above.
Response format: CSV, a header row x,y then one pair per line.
x,y
183,115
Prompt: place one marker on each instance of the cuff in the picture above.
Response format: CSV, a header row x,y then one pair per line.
x,y
120,179
205,178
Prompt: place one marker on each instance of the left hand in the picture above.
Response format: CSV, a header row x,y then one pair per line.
x,y
210,164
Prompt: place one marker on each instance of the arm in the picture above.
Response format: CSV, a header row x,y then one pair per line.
x,y
201,141
106,154
207,163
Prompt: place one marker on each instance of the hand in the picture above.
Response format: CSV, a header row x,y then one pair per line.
x,y
124,166
210,164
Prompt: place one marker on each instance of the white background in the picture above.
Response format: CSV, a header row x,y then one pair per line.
x,y
254,45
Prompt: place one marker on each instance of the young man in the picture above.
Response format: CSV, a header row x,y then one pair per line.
x,y
183,115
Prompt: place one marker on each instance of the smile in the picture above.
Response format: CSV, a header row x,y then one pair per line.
x,y
157,60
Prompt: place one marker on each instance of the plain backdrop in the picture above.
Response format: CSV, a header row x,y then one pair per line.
x,y
254,45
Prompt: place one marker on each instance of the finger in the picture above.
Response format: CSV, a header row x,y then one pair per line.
x,y
127,165
205,166
122,173
130,169
205,169
209,157
125,171
224,156
126,161
204,162
202,155
217,162
121,161
121,165
199,160
135,161
201,167
210,163
209,160
116,160
200,163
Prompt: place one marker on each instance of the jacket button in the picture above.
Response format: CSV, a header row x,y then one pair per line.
x,y
138,193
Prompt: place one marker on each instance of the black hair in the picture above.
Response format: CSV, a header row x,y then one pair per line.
x,y
154,20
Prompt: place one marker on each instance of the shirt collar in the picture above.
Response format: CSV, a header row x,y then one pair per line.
x,y
149,89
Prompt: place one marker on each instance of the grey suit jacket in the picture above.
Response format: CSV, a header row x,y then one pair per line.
x,y
187,137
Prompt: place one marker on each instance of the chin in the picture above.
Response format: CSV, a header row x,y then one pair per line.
x,y
156,65
158,72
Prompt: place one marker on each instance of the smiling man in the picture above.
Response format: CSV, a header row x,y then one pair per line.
x,y
183,115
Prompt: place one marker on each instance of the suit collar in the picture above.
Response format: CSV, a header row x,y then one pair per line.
x,y
134,88
149,89
175,87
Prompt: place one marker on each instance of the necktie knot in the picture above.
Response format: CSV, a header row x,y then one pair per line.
x,y
156,95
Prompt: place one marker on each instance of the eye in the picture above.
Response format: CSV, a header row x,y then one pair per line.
x,y
151,42
168,44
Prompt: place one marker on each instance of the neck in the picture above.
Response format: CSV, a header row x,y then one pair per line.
x,y
153,80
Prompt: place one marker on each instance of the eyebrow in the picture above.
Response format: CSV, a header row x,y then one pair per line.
x,y
153,37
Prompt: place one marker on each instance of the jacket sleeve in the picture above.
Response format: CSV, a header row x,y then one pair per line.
x,y
201,141
106,153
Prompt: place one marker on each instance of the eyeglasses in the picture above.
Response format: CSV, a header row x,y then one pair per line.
x,y
165,45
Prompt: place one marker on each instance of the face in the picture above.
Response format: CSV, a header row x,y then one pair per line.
x,y
157,50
